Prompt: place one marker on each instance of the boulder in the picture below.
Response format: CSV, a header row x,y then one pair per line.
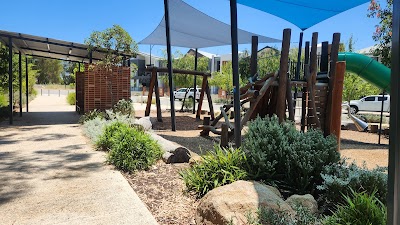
x,y
232,202
144,122
307,201
173,152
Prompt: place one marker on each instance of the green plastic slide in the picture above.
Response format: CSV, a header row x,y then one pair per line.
x,y
367,68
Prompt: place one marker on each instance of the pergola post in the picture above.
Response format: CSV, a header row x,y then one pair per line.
x,y
194,83
171,83
393,199
235,72
253,59
10,79
26,83
20,82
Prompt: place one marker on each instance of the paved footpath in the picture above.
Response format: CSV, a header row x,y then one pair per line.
x,y
49,173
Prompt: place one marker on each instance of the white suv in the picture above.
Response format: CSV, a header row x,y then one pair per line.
x,y
370,103
180,93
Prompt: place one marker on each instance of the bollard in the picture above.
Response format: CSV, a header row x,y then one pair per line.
x,y
48,92
58,93
41,92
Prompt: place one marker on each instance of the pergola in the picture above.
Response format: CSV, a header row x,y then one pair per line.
x,y
30,45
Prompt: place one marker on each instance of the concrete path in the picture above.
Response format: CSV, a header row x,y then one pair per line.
x,y
49,174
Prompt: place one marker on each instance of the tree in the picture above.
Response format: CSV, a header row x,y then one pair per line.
x,y
383,30
224,78
354,87
48,70
116,43
186,62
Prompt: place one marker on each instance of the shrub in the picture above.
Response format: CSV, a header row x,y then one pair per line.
x,y
276,217
133,150
71,98
217,168
188,104
3,100
94,128
107,138
91,115
341,178
124,107
359,209
117,116
280,155
371,118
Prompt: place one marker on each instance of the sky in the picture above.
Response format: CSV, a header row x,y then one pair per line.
x,y
74,20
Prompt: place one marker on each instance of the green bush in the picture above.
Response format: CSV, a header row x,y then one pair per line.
x,y
217,168
91,115
3,100
371,118
280,155
341,178
107,138
71,98
124,107
133,150
359,209
188,104
94,128
276,217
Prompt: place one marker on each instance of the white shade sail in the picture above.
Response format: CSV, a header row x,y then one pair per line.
x,y
192,28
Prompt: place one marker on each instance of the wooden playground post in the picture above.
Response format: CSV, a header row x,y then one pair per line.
x,y
157,91
224,135
283,69
311,80
336,111
203,88
153,80
331,86
206,122
210,104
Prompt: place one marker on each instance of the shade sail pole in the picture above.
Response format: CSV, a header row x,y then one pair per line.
x,y
171,84
235,71
393,203
194,83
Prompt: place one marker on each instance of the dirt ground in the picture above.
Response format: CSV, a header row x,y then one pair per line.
x,y
163,191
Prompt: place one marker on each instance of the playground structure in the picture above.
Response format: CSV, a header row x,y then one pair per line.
x,y
321,85
205,89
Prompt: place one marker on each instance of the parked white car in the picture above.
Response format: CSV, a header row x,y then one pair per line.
x,y
371,103
180,93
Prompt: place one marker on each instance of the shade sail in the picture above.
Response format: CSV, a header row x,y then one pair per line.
x,y
303,13
191,28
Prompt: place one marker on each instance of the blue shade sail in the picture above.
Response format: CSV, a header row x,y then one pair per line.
x,y
192,28
303,13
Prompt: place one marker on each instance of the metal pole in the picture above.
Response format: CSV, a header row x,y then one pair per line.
x,y
393,203
26,83
194,83
20,82
79,70
10,79
171,83
235,71
297,75
150,53
380,122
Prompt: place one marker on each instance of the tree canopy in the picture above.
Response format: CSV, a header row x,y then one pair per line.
x,y
115,41
383,30
48,70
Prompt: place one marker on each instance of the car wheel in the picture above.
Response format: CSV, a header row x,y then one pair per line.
x,y
353,109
